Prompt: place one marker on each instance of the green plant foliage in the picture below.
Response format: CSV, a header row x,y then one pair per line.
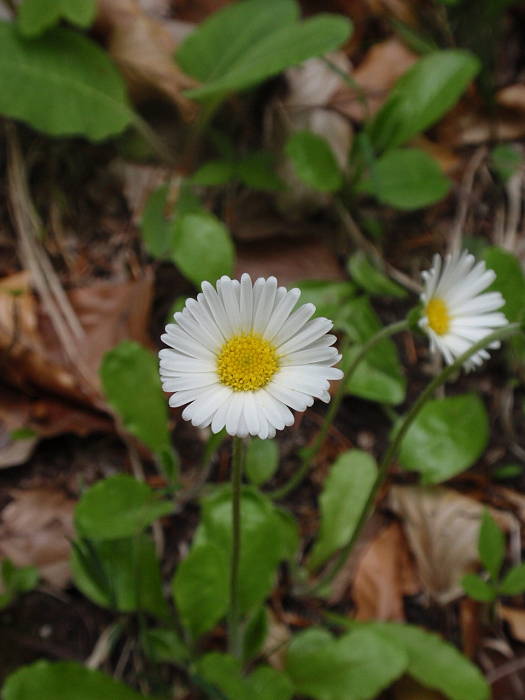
x,y
478,589
130,378
264,540
267,683
491,545
156,227
262,460
507,471
246,43
15,580
202,248
313,161
215,172
510,280
61,83
327,297
446,438
514,582
163,645
357,666
406,179
122,574
118,507
255,631
345,493
379,376
422,96
368,277
505,160
35,16
66,680
200,588
257,170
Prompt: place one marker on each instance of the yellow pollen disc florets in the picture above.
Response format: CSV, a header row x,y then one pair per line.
x,y
437,316
246,362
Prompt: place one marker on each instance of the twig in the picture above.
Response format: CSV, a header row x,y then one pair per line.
x,y
514,190
102,648
506,669
465,192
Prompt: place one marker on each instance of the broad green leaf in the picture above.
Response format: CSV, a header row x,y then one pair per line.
x,y
157,231
122,574
35,16
327,297
214,172
257,170
433,662
357,666
262,459
61,83
313,161
262,541
200,588
163,645
117,507
446,438
130,378
289,528
477,588
491,545
422,96
15,580
267,683
372,280
506,160
514,582
344,496
236,49
66,680
254,633
203,249
379,376
510,280
406,179
222,672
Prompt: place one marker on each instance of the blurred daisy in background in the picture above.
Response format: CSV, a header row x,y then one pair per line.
x,y
240,357
456,311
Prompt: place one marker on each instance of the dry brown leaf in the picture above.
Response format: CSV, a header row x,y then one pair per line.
x,y
442,528
384,63
385,573
276,642
138,183
35,528
143,49
407,688
516,619
449,161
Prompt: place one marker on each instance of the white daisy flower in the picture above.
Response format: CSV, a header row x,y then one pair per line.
x,y
456,314
241,357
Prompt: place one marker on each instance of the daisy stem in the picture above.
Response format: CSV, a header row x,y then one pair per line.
x,y
234,631
309,453
393,448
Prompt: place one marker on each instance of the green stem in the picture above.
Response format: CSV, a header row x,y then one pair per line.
x,y
234,632
394,446
308,454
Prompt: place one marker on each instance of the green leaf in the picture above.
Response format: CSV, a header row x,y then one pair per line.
x,y
506,160
130,378
254,633
477,588
357,666
257,170
433,662
344,496
163,645
15,580
267,683
222,672
514,582
157,231
446,438
251,41
510,280
62,84
262,541
214,172
422,96
66,680
372,280
491,545
327,297
200,588
262,459
406,179
314,161
507,471
117,507
203,249
379,376
120,574
35,16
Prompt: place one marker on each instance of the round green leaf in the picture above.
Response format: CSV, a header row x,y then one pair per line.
x,y
327,297
35,16
118,507
446,438
510,280
478,589
372,280
262,459
491,545
61,83
314,161
514,581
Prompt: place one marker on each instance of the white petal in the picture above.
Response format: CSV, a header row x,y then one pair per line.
x,y
265,305
197,331
250,413
178,339
182,397
190,381
226,291
303,357
204,408
294,323
312,331
290,397
235,407
246,303
173,363
217,309
281,312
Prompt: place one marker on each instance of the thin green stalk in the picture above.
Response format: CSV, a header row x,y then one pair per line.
x,y
234,631
394,446
308,454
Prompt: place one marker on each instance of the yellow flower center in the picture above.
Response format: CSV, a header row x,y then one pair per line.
x,y
438,316
247,362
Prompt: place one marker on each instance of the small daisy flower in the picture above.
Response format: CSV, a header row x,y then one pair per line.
x,y
240,357
456,314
